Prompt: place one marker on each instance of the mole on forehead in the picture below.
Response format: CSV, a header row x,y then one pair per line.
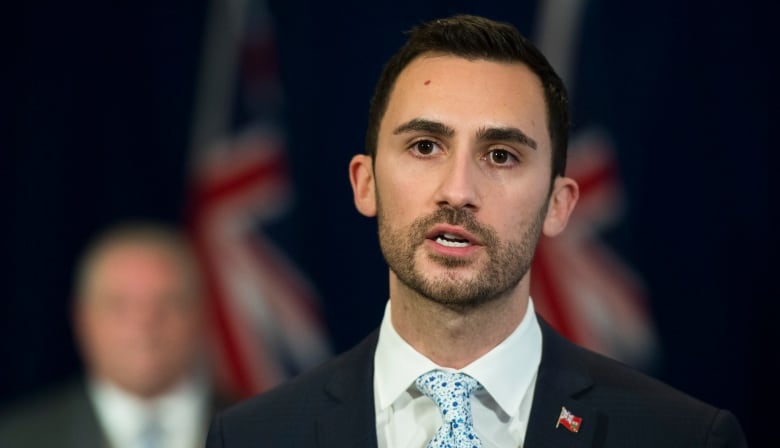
x,y
427,82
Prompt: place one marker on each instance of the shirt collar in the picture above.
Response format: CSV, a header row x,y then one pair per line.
x,y
396,364
180,410
506,372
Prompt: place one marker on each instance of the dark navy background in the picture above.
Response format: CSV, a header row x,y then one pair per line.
x,y
96,107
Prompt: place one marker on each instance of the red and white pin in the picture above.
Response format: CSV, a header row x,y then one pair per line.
x,y
569,420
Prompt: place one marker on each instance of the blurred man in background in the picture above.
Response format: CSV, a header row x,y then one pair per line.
x,y
140,324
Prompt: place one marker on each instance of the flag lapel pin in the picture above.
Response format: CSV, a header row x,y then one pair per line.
x,y
569,420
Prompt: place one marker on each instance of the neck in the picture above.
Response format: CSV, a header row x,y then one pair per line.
x,y
454,337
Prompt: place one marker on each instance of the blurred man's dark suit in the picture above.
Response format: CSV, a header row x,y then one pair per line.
x,y
333,406
63,418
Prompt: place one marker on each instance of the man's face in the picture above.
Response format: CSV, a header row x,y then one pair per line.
x,y
140,324
462,177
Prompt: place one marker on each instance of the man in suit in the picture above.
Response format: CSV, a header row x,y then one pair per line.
x,y
140,323
464,170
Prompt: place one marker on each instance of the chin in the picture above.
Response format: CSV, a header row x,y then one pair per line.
x,y
147,383
149,390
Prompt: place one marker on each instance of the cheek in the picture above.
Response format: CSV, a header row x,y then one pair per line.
x,y
181,330
525,213
103,339
181,325
399,200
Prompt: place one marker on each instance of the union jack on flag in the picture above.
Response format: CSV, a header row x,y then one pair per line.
x,y
578,284
265,314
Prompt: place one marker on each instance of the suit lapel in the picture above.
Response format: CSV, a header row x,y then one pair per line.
x,y
351,422
83,427
560,381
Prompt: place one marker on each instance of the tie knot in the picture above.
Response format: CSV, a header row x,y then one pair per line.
x,y
450,391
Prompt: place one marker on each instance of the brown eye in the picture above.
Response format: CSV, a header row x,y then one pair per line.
x,y
499,156
425,147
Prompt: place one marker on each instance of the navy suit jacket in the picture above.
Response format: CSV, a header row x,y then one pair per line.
x,y
333,406
62,418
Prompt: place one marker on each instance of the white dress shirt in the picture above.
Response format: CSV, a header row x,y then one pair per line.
x,y
181,416
407,418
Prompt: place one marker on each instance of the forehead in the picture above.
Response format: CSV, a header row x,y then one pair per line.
x,y
136,252
134,264
468,95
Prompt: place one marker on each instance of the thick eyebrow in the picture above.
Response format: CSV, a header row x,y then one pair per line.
x,y
506,134
422,125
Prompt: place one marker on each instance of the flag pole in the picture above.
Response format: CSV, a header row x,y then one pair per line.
x,y
217,75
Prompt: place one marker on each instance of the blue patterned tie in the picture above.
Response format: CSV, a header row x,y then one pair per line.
x,y
151,434
451,392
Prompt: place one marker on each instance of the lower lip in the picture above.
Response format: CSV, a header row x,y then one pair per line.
x,y
451,251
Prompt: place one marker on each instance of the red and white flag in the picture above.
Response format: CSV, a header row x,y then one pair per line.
x,y
579,285
569,420
266,315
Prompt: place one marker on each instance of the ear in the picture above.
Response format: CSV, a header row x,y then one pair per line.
x,y
361,175
564,196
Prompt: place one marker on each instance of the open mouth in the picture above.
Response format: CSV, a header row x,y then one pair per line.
x,y
452,240
452,237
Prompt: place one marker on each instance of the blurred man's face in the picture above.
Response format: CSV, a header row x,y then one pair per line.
x,y
139,323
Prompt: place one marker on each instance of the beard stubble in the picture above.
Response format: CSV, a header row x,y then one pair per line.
x,y
506,264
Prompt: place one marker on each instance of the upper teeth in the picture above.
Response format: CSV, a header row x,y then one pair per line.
x,y
446,240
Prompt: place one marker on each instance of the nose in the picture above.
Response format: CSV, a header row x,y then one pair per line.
x,y
458,185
